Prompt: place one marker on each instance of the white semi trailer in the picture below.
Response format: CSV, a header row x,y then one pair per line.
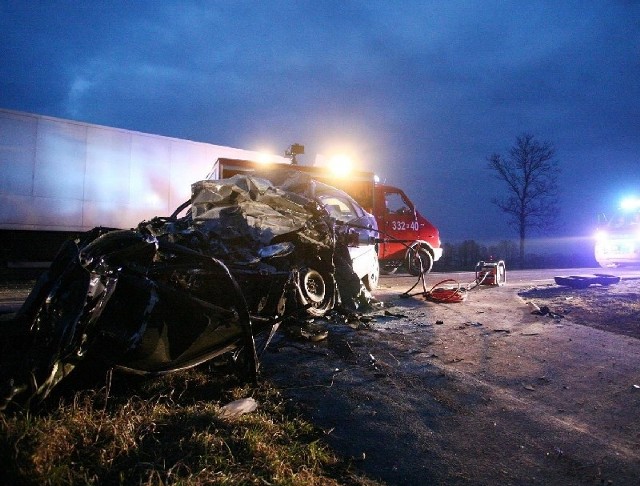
x,y
59,177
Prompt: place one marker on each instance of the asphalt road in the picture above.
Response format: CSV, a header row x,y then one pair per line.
x,y
478,392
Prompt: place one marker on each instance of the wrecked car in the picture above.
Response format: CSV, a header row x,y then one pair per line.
x,y
361,225
354,224
181,290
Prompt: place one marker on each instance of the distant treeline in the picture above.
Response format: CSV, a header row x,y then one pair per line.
x,y
464,256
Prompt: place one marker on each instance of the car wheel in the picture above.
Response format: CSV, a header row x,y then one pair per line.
x,y
420,260
316,291
371,279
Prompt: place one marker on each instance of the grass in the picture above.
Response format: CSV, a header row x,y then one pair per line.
x,y
167,431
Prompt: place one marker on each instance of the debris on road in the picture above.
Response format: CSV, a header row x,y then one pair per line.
x,y
468,324
545,311
584,281
309,331
392,314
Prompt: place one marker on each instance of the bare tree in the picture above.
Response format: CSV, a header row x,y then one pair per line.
x,y
530,173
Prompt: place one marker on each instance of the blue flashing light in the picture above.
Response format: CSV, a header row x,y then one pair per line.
x,y
630,204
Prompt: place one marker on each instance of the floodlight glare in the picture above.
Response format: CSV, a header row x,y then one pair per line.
x,y
340,165
600,235
265,158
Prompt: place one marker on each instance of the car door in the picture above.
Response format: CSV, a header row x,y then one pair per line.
x,y
399,223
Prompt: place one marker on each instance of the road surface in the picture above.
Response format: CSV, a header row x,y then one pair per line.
x,y
478,392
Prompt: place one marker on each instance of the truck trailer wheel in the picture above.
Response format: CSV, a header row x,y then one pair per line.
x,y
419,260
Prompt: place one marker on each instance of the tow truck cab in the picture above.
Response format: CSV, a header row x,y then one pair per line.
x,y
409,238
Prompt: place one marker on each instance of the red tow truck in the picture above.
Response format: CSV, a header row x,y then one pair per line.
x,y
407,239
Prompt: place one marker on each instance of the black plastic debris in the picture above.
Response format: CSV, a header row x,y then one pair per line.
x,y
584,281
545,311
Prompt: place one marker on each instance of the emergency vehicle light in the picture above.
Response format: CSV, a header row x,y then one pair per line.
x,y
630,204
601,235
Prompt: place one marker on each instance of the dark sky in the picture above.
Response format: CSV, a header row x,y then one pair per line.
x,y
421,92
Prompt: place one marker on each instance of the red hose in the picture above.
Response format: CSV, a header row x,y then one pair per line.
x,y
445,295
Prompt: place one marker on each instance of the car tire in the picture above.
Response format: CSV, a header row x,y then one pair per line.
x,y
414,259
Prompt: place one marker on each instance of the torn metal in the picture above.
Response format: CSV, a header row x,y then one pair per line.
x,y
181,290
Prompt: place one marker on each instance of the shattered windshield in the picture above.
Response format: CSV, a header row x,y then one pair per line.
x,y
339,209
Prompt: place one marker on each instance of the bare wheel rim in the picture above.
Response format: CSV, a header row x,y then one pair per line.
x,y
314,286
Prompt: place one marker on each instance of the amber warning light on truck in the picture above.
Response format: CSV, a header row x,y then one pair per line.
x,y
340,165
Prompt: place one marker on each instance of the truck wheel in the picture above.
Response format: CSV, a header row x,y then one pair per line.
x,y
371,279
388,269
419,259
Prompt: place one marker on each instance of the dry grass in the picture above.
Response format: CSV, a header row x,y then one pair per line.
x,y
167,431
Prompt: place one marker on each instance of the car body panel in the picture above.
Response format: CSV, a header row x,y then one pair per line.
x,y
359,223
